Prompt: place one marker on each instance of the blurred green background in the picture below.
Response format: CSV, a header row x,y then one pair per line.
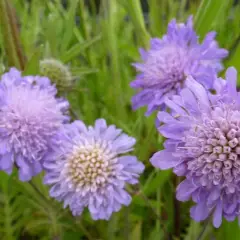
x,y
98,41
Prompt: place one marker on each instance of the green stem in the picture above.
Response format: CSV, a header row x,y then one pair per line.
x,y
158,207
159,218
84,230
50,211
38,192
10,34
112,227
204,228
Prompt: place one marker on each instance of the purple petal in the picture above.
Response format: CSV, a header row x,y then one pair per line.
x,y
178,109
181,169
199,212
166,118
231,77
25,171
200,93
217,216
143,54
122,197
123,143
174,131
100,125
214,195
111,133
164,160
6,162
185,190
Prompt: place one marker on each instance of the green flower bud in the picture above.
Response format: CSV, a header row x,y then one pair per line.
x,y
57,72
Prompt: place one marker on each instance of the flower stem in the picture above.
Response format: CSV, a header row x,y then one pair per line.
x,y
159,218
204,228
177,213
84,230
39,192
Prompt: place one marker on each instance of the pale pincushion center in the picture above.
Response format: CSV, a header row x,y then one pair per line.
x,y
90,166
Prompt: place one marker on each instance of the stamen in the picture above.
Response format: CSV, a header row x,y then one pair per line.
x,y
90,166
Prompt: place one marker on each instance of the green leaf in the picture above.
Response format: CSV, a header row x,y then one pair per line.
x,y
78,48
69,25
156,181
32,66
234,58
209,13
137,231
72,235
12,208
229,230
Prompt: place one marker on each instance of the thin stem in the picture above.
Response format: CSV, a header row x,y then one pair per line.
x,y
78,222
158,207
38,191
204,228
73,114
144,197
15,34
177,214
126,223
140,193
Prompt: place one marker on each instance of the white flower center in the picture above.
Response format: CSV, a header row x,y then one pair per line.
x,y
91,166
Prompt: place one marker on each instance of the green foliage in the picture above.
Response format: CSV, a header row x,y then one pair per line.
x,y
99,46
12,209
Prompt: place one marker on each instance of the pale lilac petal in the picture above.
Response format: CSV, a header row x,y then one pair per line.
x,y
164,160
199,212
185,190
231,77
217,216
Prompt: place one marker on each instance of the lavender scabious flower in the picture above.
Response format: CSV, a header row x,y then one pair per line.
x,y
170,60
30,115
203,144
90,170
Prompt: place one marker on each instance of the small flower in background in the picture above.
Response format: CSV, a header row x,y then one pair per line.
x,y
30,116
203,144
57,72
170,60
90,169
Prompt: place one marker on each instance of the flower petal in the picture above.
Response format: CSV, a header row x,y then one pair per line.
x,y
164,160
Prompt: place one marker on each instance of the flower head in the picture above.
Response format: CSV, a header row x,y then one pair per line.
x,y
90,170
57,72
170,60
203,144
30,116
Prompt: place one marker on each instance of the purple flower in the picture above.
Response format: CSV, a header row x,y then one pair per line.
x,y
30,115
170,60
90,169
203,144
